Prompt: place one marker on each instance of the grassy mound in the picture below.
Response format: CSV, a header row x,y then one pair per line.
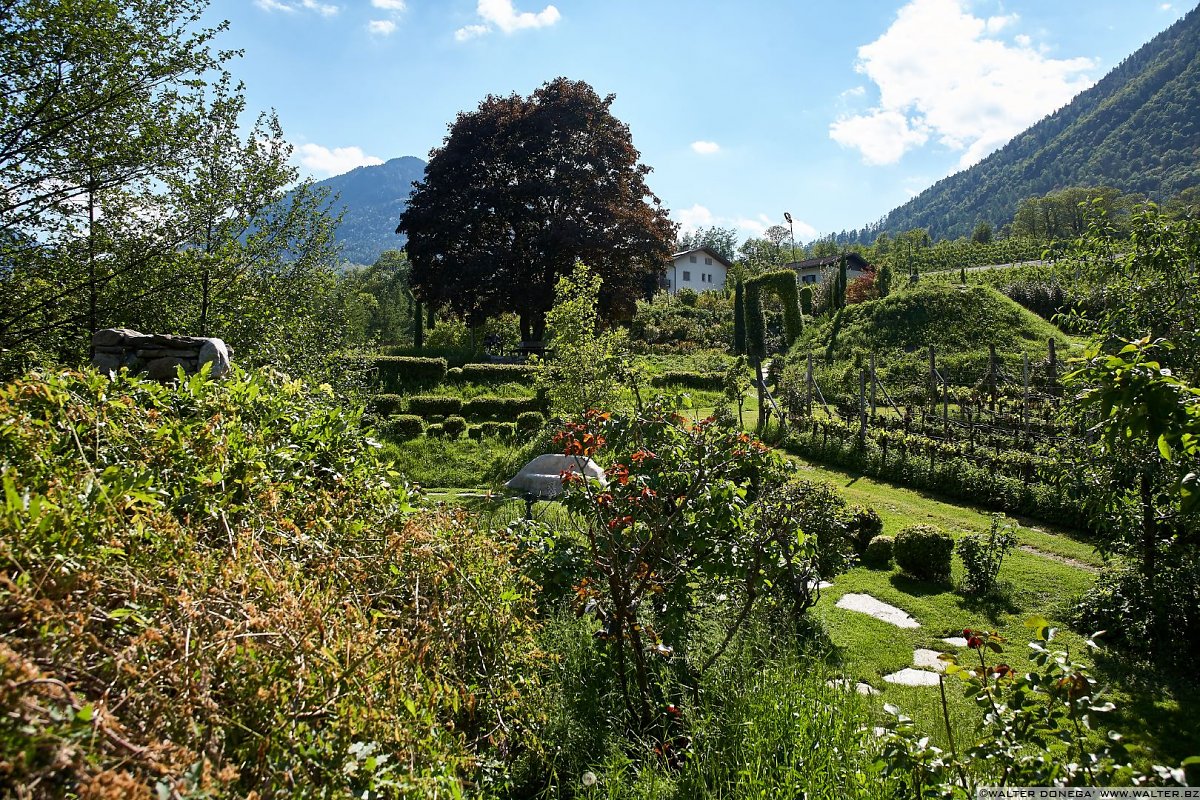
x,y
960,322
213,590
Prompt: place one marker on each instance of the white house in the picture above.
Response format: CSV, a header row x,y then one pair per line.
x,y
814,270
701,270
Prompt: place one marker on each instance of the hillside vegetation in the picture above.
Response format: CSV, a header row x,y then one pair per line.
x,y
1135,130
212,590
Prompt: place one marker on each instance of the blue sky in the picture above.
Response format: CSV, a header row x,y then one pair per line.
x,y
834,111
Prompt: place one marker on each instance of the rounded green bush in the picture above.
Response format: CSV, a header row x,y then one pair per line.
x,y
403,426
434,431
454,374
475,432
878,553
865,524
454,426
529,422
924,552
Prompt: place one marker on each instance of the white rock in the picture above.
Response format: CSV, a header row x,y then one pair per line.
x,y
542,477
866,604
913,677
955,641
928,659
214,350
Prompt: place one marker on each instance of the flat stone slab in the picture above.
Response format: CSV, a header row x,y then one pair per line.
x,y
928,659
913,677
860,687
866,604
955,641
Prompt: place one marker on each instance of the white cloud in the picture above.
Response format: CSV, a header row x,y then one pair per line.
x,y
1165,7
501,14
706,148
381,27
288,8
470,32
336,161
389,5
941,76
699,216
321,8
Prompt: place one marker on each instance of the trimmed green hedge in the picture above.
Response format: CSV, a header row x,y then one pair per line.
x,y
924,551
530,421
505,409
495,373
454,426
403,426
398,371
689,380
385,405
428,405
783,284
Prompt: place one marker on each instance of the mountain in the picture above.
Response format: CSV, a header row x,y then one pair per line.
x,y
373,198
1137,130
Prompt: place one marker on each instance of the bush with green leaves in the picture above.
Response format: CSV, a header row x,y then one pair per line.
x,y
819,510
434,431
530,422
495,373
924,552
1041,727
878,553
454,426
865,525
689,380
397,372
403,426
192,571
385,405
982,554
427,405
502,409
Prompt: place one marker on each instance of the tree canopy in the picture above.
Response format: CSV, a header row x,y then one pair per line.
x,y
520,189
132,193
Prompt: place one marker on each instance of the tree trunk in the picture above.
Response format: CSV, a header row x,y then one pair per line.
x,y
1149,529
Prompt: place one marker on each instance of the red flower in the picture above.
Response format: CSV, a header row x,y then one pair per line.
x,y
672,709
975,642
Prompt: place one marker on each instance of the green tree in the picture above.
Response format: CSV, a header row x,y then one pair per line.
x,y
588,368
521,188
132,198
720,240
982,233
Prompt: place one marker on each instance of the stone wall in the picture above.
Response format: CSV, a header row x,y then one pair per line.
x,y
158,355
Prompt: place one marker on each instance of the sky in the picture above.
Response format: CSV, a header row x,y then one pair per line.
x,y
835,111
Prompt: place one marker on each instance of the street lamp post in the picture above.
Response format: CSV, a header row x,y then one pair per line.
x,y
792,235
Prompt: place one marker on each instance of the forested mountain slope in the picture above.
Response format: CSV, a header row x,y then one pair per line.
x,y
1138,130
372,198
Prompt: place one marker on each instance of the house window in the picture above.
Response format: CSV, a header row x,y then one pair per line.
x,y
687,276
692,259
708,261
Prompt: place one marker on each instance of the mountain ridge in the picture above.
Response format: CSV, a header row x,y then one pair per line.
x,y
372,198
1136,129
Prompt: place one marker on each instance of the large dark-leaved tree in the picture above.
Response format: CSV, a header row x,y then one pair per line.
x,y
523,187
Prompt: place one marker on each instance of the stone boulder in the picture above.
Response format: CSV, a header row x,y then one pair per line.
x,y
158,355
542,477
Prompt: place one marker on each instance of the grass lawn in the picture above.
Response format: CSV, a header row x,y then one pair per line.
x,y
1044,576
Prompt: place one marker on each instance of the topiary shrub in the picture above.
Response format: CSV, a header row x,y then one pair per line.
x,y
475,432
689,380
403,426
454,426
529,422
434,431
397,371
385,405
490,428
504,409
783,284
865,525
427,405
924,552
454,375
496,373
878,553
506,430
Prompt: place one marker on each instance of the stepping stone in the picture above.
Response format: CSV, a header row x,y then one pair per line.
x,y
866,604
860,687
913,677
820,585
955,641
929,660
